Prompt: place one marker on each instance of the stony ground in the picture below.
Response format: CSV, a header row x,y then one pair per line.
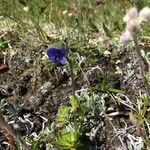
x,y
31,94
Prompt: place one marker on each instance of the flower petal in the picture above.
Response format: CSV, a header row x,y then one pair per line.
x,y
57,55
62,61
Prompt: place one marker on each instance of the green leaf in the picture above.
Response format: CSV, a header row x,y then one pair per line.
x,y
93,25
104,85
99,89
3,45
63,115
80,110
113,90
18,145
106,30
74,103
66,139
34,144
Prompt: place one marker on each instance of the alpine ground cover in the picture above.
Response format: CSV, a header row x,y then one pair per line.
x,y
74,74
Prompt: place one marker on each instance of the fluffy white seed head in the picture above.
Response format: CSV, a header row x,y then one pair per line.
x,y
133,27
133,20
144,15
126,37
131,14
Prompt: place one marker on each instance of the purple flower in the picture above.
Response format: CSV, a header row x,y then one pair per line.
x,y
57,55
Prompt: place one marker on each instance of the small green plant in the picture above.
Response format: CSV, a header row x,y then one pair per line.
x,y
71,122
71,118
67,129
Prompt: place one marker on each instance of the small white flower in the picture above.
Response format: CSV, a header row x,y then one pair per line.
x,y
101,39
118,62
70,14
44,57
131,14
107,53
65,12
144,14
26,9
93,42
118,70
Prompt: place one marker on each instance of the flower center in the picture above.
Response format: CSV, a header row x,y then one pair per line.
x,y
58,55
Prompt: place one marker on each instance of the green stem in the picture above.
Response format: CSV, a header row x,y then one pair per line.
x,y
73,91
72,75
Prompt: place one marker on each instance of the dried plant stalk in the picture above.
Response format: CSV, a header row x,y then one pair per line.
x,y
10,139
8,132
11,135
